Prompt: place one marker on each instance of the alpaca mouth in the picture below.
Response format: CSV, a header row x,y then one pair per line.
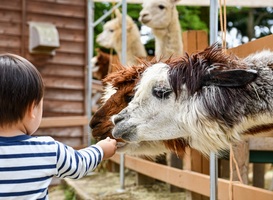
x,y
145,21
121,144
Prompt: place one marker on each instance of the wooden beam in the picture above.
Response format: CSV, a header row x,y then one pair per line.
x,y
50,122
254,46
243,3
193,181
261,143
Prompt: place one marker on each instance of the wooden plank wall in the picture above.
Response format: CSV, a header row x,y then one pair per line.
x,y
64,73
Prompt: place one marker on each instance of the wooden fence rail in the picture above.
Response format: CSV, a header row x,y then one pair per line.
x,y
193,181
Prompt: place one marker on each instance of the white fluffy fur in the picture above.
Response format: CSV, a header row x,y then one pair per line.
x,y
111,37
150,148
162,17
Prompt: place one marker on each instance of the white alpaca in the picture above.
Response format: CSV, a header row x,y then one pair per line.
x,y
162,17
111,37
209,99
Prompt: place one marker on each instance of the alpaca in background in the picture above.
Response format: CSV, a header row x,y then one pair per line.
x,y
162,17
111,37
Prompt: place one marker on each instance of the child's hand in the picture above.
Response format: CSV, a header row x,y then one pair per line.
x,y
109,147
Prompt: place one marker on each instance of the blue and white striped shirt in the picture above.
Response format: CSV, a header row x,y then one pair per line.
x,y
28,164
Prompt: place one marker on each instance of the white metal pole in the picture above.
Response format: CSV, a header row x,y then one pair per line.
x,y
213,156
90,49
123,61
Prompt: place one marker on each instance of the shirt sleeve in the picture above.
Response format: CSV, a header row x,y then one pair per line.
x,y
77,163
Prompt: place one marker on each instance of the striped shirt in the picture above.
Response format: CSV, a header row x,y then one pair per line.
x,y
28,164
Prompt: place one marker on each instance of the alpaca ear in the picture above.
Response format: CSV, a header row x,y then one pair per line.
x,y
229,78
129,20
118,14
130,23
175,1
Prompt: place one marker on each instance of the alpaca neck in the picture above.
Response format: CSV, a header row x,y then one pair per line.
x,y
168,41
134,49
130,56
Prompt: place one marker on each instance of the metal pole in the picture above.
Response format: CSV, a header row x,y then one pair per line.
x,y
124,33
213,156
107,14
91,25
90,36
123,61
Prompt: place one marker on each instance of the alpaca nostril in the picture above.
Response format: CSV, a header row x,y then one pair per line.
x,y
93,122
144,15
117,118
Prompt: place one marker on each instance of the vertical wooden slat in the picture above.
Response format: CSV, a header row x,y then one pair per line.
x,y
85,103
202,40
189,38
23,26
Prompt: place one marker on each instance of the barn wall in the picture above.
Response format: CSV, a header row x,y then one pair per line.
x,y
64,73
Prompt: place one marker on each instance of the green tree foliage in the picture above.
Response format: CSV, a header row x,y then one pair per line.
x,y
190,18
250,22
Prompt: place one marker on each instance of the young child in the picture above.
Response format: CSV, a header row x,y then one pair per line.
x,y
28,163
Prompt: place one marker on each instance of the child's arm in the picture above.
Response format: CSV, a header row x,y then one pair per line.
x,y
76,164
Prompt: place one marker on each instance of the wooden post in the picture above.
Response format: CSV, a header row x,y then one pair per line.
x,y
241,155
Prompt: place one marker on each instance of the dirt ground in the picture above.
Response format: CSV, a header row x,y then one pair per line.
x,y
57,193
106,186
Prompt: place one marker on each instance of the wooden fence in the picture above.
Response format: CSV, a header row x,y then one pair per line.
x,y
193,181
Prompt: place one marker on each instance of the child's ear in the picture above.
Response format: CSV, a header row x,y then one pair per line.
x,y
30,110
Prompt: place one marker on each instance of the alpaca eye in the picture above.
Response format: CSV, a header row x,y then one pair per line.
x,y
161,92
128,98
161,7
111,30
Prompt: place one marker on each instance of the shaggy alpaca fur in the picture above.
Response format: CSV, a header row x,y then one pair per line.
x,y
162,17
111,37
209,99
118,92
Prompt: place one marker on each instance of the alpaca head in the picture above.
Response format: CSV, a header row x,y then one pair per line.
x,y
157,14
118,92
210,99
112,31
